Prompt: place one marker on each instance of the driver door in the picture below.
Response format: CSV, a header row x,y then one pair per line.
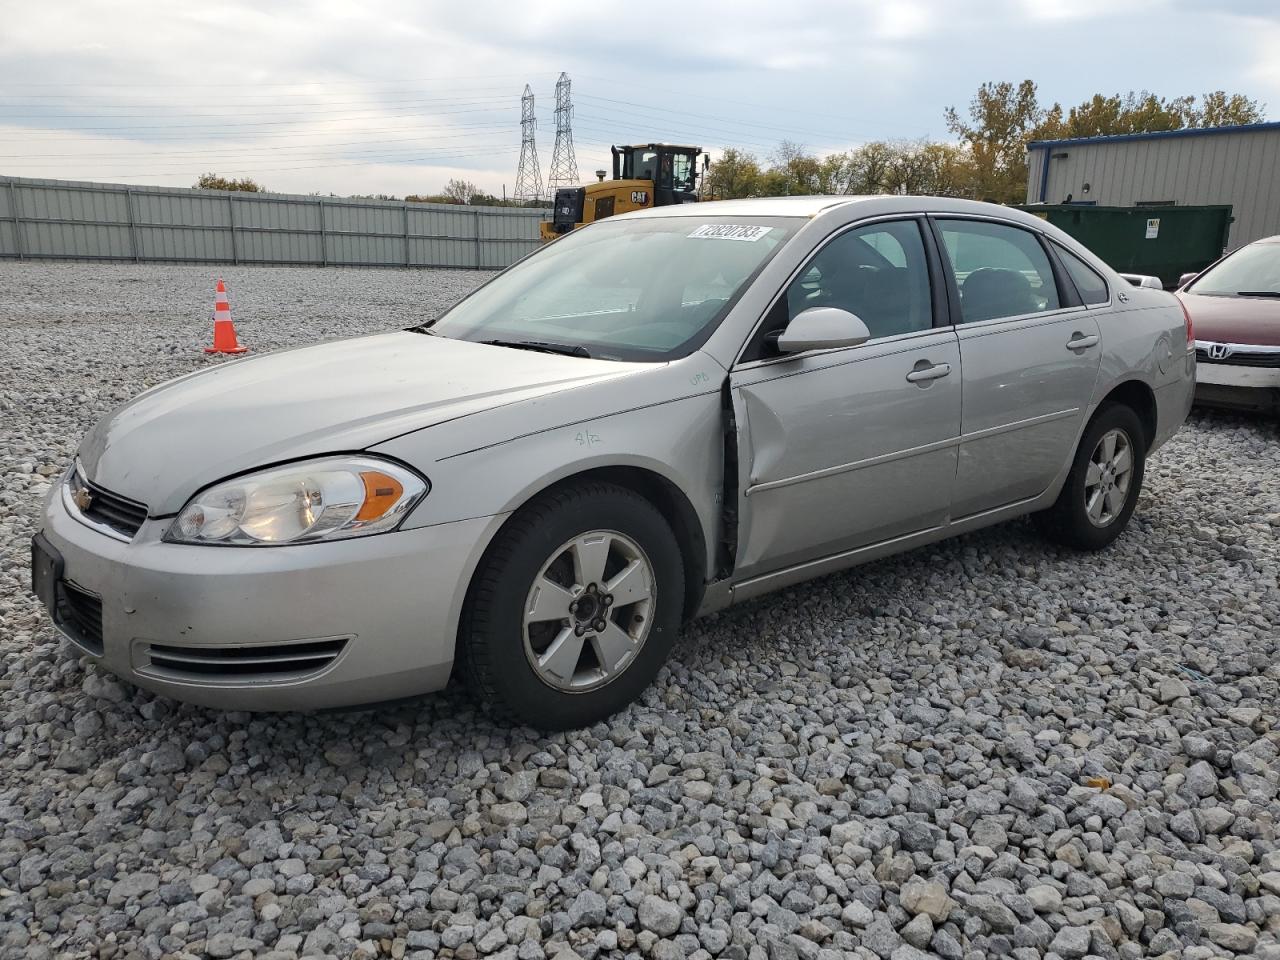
x,y
842,449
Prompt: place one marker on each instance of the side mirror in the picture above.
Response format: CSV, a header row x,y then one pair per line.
x,y
1185,279
822,328
1143,280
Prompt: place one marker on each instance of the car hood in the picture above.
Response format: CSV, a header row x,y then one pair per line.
x,y
1234,319
169,442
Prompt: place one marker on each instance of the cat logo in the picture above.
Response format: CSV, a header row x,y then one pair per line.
x,y
640,196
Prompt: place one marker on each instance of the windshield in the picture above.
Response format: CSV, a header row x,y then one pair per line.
x,y
644,289
1254,269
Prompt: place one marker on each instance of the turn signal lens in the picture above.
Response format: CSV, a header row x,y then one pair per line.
x,y
329,499
381,493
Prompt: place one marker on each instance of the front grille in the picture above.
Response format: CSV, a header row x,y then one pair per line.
x,y
114,511
262,662
1242,358
79,614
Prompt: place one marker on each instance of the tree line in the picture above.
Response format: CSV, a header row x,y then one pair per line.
x,y
455,191
988,158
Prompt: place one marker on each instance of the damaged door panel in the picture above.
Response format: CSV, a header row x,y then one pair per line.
x,y
845,448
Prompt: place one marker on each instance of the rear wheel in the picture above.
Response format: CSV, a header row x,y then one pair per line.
x,y
1102,489
575,607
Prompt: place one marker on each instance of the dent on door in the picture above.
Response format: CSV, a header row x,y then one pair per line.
x,y
842,457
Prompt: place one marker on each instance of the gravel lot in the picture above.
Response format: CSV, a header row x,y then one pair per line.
x,y
986,748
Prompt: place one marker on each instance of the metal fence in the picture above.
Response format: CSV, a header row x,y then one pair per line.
x,y
69,220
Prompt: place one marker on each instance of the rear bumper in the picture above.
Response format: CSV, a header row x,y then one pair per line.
x,y
1173,404
384,609
1238,387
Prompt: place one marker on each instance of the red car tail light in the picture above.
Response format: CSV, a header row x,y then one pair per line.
x,y
1186,316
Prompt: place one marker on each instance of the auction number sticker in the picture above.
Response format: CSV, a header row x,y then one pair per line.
x,y
749,232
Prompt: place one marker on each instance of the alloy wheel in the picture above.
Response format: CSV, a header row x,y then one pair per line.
x,y
1107,478
589,611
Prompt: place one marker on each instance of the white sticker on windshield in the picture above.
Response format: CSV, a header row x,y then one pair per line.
x,y
749,232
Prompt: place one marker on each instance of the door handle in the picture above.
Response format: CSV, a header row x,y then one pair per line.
x,y
1079,341
934,371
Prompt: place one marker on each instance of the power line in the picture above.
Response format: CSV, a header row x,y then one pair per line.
x,y
777,108
206,160
391,96
475,132
190,137
271,123
257,83
435,159
702,116
374,109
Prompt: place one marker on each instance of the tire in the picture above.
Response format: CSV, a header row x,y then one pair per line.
x,y
1069,521
526,669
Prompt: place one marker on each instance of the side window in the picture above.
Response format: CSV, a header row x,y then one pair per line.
x,y
877,272
1002,271
1089,283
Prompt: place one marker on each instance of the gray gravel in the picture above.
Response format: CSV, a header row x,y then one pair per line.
x,y
990,747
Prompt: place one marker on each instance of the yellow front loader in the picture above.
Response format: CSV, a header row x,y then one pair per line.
x,y
644,175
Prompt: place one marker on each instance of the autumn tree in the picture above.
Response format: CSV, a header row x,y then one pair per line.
x,y
1221,109
736,174
460,191
929,169
214,181
791,172
1001,118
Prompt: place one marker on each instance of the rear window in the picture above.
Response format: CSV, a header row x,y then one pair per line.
x,y
1089,283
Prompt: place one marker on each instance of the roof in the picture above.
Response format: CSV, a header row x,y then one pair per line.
x,y
1157,135
806,206
812,206
655,146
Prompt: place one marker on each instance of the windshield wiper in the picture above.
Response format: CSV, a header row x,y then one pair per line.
x,y
1258,293
422,328
545,346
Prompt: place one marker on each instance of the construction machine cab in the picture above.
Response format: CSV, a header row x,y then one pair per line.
x,y
673,170
644,175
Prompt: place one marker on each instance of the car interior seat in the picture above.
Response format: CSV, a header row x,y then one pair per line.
x,y
989,292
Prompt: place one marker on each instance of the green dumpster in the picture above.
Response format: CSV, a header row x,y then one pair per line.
x,y
1164,242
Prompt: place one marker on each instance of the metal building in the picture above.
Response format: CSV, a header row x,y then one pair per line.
x,y
1238,165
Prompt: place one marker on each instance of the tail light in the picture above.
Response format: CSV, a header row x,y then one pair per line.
x,y
1186,317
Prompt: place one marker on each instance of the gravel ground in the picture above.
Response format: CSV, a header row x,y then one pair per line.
x,y
990,747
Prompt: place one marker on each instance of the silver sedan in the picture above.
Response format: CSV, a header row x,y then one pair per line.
x,y
655,417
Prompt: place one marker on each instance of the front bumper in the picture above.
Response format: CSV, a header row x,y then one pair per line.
x,y
385,608
1237,386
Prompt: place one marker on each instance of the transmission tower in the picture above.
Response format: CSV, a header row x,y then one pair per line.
x,y
528,173
564,165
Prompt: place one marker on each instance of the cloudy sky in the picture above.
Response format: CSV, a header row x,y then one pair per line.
x,y
397,96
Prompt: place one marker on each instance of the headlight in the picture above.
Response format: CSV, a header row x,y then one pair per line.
x,y
329,499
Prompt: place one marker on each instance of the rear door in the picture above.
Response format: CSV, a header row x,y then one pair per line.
x,y
1030,352
845,448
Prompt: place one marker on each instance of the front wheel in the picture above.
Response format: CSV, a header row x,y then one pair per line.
x,y
1102,489
574,608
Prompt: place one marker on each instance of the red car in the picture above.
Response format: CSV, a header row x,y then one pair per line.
x,y
1235,311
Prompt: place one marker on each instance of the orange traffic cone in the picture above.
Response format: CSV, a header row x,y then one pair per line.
x,y
224,331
